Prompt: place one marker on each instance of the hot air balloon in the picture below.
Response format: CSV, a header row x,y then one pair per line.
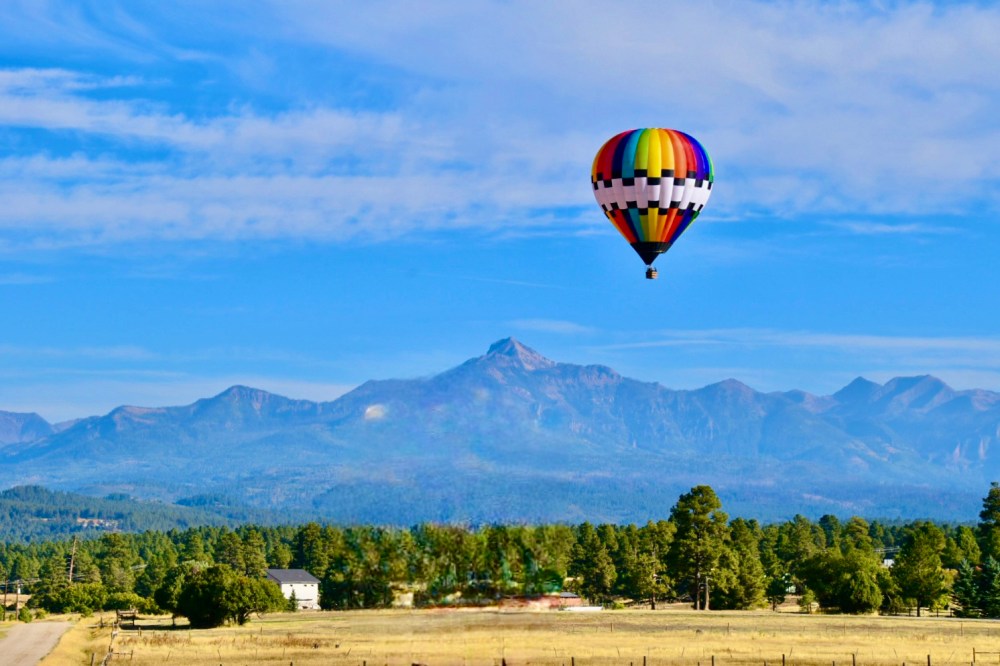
x,y
652,183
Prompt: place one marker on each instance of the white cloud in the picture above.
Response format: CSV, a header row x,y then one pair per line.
x,y
864,108
116,353
553,326
965,362
13,279
842,341
51,100
869,228
780,360
807,108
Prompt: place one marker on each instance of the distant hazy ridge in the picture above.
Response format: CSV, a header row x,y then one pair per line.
x,y
512,435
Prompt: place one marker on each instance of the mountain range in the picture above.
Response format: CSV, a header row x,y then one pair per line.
x,y
514,436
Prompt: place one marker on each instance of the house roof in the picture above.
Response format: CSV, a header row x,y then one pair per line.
x,y
291,576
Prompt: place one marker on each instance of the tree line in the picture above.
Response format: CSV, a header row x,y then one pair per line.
x,y
213,574
33,513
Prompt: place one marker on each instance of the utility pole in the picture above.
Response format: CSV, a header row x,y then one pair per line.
x,y
3,609
706,592
72,560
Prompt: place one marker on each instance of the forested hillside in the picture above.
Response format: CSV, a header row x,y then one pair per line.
x,y
31,513
839,565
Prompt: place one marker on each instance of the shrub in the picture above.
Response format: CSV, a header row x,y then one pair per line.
x,y
211,597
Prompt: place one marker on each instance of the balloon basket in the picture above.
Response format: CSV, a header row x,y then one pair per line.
x,y
651,273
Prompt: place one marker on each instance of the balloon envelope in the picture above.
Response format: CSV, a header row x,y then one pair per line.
x,y
652,183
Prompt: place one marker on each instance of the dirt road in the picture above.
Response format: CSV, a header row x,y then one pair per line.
x,y
26,644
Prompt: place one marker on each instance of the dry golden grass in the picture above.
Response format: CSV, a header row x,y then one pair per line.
x,y
666,637
84,638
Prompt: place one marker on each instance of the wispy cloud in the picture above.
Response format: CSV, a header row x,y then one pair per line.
x,y
116,353
749,337
799,119
498,135
960,360
14,279
137,355
499,280
769,359
553,326
868,228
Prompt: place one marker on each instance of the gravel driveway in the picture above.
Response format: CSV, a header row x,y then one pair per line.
x,y
27,644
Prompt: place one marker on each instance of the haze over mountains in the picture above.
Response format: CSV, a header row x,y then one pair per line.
x,y
514,436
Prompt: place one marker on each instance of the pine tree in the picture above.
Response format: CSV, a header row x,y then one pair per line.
x,y
311,553
857,536
698,542
254,558
592,564
965,591
194,548
832,529
918,569
777,590
229,551
859,591
797,541
742,583
965,539
989,588
989,523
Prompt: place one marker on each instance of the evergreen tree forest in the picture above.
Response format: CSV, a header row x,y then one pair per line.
x,y
30,513
216,574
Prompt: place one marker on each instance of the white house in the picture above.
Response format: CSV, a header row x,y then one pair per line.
x,y
301,582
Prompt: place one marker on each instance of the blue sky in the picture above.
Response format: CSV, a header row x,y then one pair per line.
x,y
301,196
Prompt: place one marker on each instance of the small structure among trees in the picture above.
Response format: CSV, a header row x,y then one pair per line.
x,y
297,583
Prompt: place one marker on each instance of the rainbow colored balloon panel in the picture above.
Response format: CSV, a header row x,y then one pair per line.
x,y
652,183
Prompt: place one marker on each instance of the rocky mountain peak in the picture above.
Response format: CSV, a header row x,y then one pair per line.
x,y
246,398
730,387
859,390
17,427
540,436
511,352
921,392
240,392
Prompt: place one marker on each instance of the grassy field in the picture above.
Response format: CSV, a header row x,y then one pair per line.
x,y
488,637
86,637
